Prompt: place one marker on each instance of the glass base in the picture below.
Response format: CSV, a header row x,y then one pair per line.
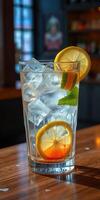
x,y
53,168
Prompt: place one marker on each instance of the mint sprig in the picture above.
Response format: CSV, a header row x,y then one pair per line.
x,y
71,99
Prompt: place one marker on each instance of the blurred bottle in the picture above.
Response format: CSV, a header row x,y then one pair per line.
x,y
81,44
79,25
99,49
74,25
92,47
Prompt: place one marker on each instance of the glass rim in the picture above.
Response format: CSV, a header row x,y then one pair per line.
x,y
51,63
48,61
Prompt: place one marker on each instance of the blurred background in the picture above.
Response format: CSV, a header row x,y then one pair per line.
x,y
40,28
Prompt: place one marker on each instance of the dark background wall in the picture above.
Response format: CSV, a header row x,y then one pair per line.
x,y
1,47
11,122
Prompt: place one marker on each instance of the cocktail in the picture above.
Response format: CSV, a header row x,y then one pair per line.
x,y
50,101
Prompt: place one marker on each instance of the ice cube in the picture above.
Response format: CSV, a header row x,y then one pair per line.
x,y
34,65
28,92
64,113
33,72
51,99
37,111
52,80
30,88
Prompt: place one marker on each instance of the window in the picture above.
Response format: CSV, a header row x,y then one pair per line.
x,y
23,31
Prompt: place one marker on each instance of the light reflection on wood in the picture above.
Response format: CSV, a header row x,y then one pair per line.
x,y
97,141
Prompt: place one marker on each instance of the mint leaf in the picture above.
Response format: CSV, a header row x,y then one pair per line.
x,y
71,98
67,100
74,92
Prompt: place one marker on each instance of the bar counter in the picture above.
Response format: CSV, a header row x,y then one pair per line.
x,y
17,182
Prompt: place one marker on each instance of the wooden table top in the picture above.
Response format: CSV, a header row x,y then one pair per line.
x,y
17,182
9,93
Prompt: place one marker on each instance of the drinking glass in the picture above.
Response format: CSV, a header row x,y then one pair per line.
x,y
50,102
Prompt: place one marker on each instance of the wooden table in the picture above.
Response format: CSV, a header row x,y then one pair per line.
x,y
9,93
19,183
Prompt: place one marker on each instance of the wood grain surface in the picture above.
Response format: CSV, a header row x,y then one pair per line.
x,y
17,182
9,93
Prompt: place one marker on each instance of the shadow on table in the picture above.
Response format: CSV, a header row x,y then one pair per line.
x,y
86,176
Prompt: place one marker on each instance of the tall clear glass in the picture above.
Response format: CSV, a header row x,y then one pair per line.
x,y
50,101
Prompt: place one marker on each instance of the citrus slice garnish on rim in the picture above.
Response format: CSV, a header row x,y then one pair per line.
x,y
54,140
68,80
74,54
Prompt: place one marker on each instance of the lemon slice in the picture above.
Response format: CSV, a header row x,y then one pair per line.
x,y
54,140
74,54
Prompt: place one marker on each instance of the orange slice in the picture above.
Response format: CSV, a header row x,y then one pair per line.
x,y
68,80
54,140
67,58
